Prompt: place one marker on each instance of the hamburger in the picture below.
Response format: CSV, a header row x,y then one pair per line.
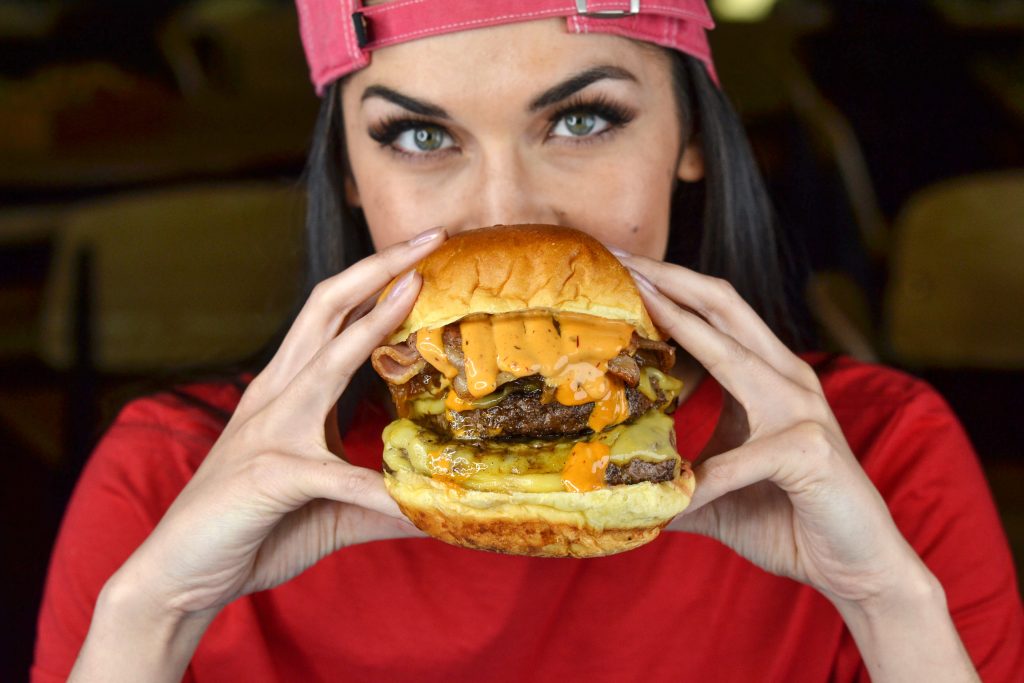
x,y
532,392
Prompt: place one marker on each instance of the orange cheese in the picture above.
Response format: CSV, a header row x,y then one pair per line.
x,y
542,348
584,469
430,344
610,409
536,342
444,468
454,402
480,354
581,383
439,464
586,339
571,351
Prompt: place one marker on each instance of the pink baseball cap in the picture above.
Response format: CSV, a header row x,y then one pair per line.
x,y
339,35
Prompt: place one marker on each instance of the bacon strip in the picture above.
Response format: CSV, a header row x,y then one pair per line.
x,y
398,363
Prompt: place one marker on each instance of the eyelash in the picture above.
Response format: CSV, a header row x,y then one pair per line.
x,y
387,130
617,115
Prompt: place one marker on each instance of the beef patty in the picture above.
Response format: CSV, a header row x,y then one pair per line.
x,y
526,414
637,470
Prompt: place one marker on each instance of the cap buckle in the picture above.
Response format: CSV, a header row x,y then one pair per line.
x,y
581,9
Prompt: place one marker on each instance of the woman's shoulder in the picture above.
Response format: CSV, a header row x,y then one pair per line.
x,y
198,408
902,430
137,469
171,429
874,402
854,385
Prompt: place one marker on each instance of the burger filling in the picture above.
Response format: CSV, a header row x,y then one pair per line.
x,y
522,411
643,451
534,401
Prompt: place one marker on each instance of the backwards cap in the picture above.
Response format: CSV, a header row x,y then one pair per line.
x,y
338,35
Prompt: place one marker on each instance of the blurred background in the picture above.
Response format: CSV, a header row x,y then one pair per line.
x,y
151,212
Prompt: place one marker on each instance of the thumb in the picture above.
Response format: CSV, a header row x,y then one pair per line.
x,y
702,521
331,478
788,459
725,473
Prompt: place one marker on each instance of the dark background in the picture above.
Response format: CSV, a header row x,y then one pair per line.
x,y
854,109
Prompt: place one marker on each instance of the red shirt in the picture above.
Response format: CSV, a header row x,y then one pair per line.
x,y
681,608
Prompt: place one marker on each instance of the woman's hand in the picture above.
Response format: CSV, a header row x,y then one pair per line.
x,y
271,499
779,484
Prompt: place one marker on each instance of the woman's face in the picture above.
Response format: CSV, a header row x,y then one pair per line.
x,y
522,123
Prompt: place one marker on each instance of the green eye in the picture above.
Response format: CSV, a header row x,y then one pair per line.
x,y
428,138
422,138
579,123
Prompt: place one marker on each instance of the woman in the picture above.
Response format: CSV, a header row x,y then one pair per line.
x,y
182,525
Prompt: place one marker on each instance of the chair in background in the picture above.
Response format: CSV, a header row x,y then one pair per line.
x,y
954,313
956,292
171,279
244,48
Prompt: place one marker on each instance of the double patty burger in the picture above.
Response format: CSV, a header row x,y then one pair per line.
x,y
531,388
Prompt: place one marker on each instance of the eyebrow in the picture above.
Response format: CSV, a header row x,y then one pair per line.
x,y
411,103
556,93
574,84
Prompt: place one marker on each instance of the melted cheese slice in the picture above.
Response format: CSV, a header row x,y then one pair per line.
x,y
536,466
585,468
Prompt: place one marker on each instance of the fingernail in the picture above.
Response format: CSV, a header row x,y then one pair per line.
x,y
426,236
621,253
401,284
643,281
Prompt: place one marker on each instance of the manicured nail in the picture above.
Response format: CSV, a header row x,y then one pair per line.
x,y
426,236
643,281
401,284
621,253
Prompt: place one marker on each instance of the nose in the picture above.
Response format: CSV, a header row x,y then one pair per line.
x,y
506,188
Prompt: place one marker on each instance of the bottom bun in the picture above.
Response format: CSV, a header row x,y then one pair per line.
x,y
562,524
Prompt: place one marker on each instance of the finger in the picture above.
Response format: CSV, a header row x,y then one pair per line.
x,y
362,309
806,475
793,459
717,301
316,388
767,395
285,482
333,479
334,299
324,526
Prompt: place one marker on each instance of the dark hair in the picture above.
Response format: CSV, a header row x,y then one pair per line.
x,y
723,225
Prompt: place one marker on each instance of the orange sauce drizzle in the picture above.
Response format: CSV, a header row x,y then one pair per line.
x,y
480,353
611,409
430,344
571,354
584,469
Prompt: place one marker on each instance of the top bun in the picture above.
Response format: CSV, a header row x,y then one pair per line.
x,y
509,268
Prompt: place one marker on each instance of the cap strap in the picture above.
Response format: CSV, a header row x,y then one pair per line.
x,y
677,24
